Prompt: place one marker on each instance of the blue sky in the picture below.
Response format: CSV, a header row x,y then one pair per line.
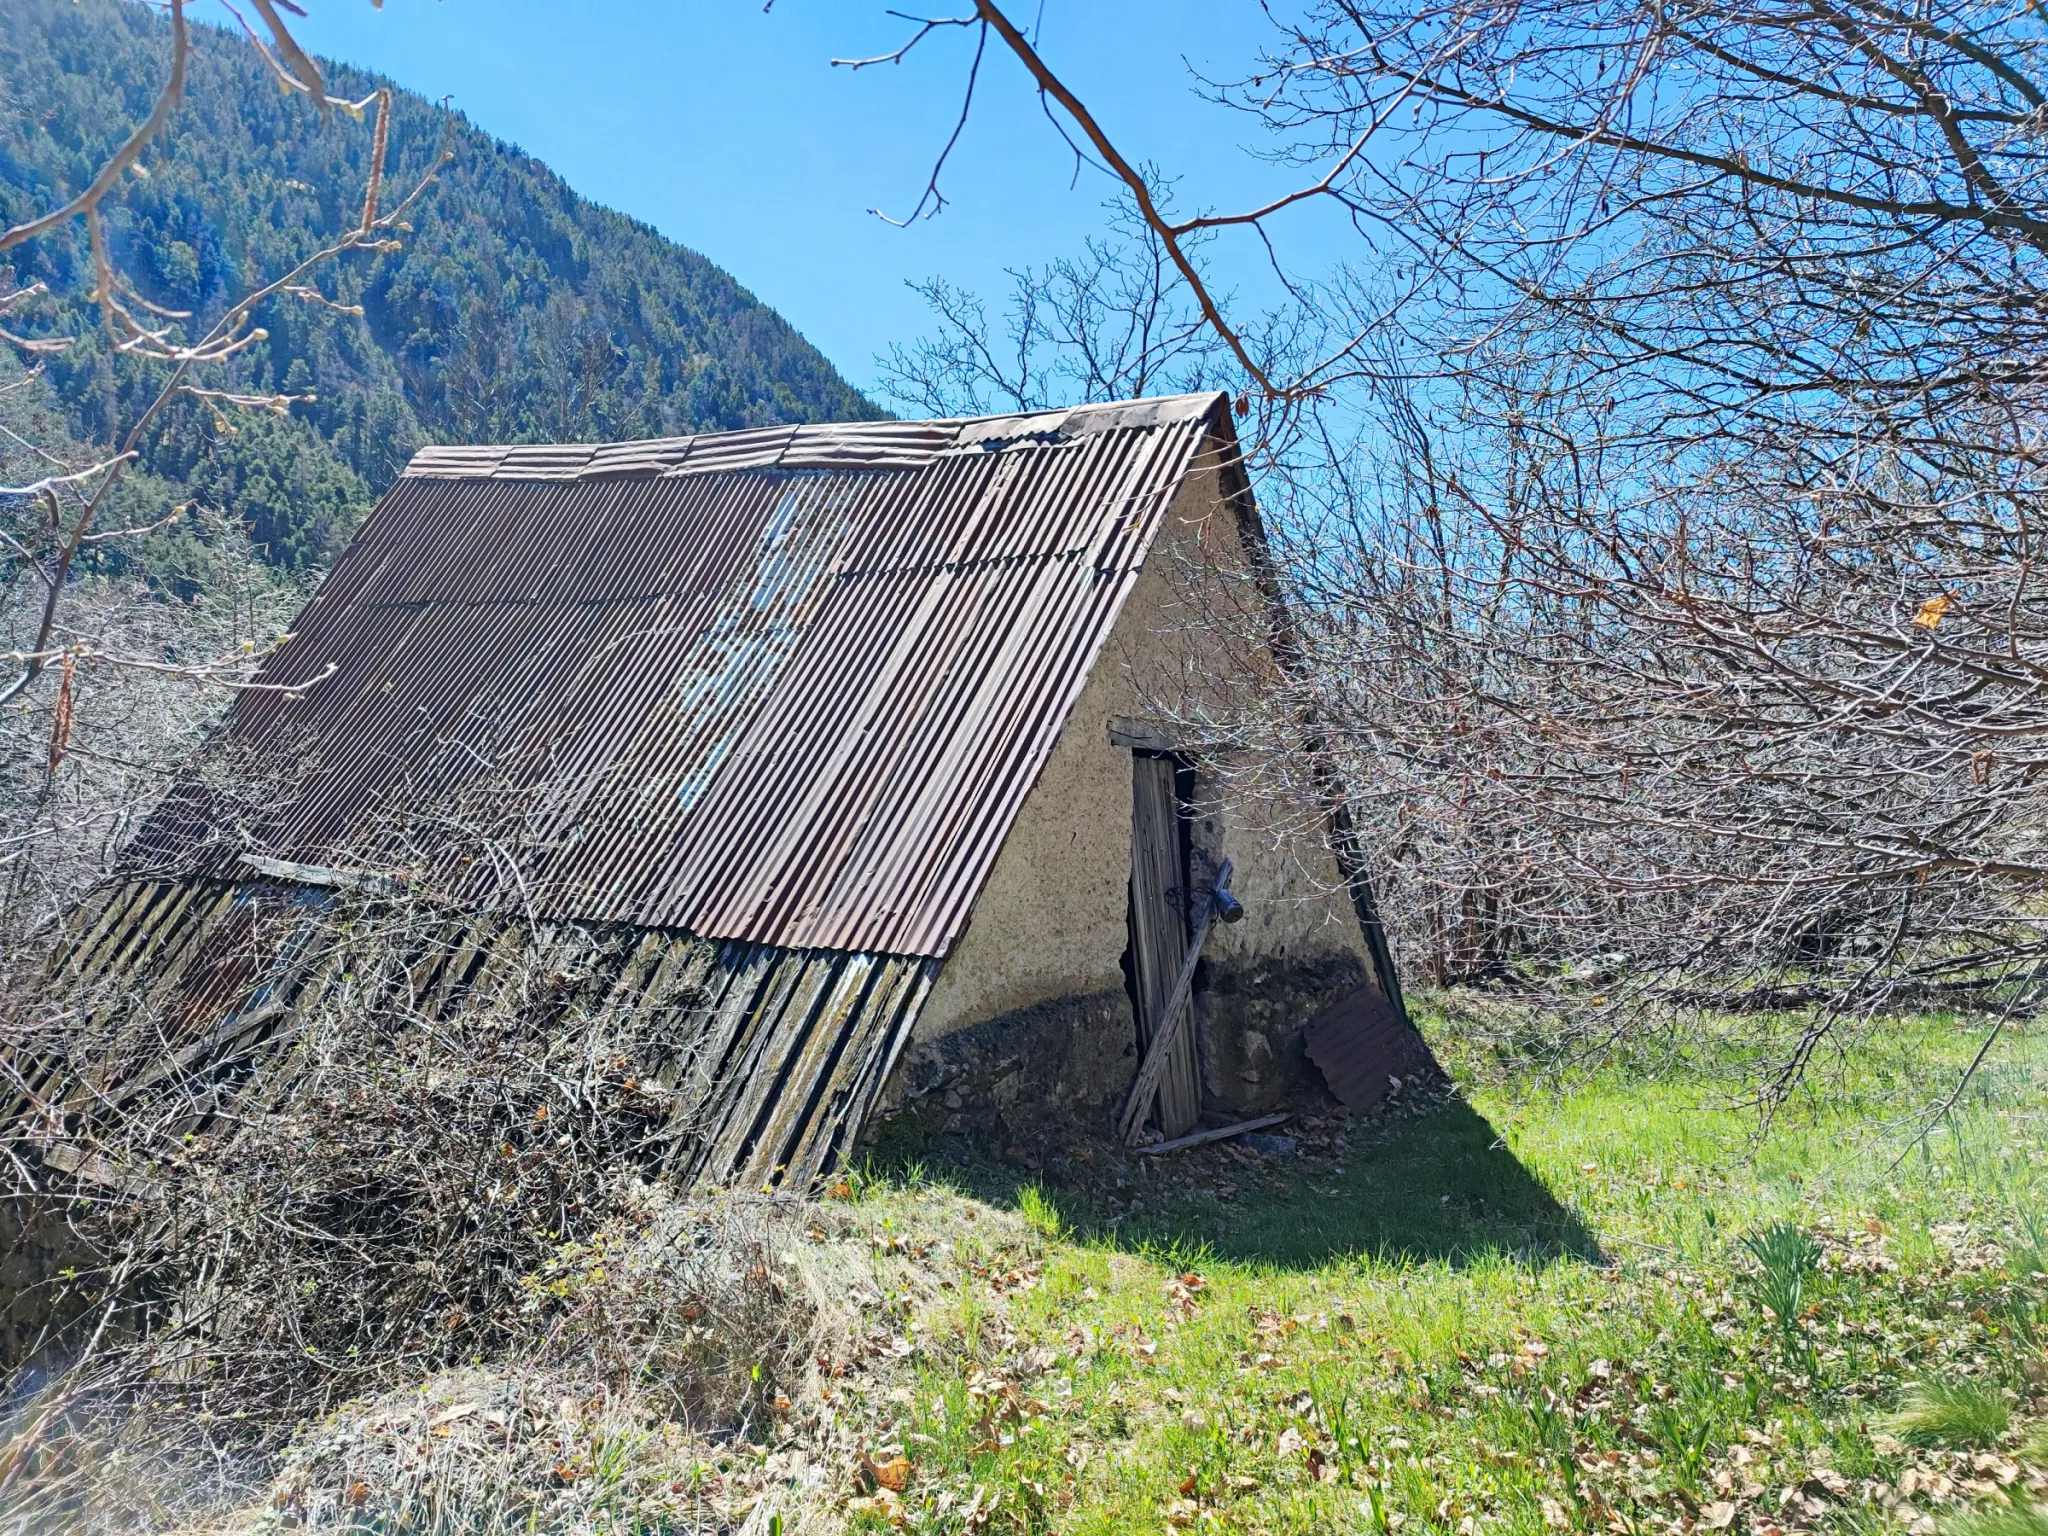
x,y
729,130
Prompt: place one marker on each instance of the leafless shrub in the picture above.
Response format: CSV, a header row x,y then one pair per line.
x,y
1656,489
434,1164
1723,753
644,1350
668,1332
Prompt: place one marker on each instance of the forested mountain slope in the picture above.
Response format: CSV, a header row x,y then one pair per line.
x,y
515,311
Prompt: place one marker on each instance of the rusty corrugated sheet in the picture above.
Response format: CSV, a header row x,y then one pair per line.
x,y
786,687
1362,1044
765,1061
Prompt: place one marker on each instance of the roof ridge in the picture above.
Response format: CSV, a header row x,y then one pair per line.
x,y
805,445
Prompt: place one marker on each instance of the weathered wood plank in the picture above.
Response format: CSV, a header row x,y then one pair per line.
x,y
1159,937
1159,1055
1220,1133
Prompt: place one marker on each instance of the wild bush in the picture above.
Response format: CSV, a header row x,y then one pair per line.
x,y
381,1194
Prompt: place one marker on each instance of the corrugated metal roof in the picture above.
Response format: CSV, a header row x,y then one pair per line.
x,y
786,686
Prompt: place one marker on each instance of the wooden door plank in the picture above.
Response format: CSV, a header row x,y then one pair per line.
x,y
1159,936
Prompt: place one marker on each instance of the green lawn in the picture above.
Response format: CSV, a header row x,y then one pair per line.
x,y
1531,1310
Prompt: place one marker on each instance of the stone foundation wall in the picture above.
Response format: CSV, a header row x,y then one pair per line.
x,y
1059,1071
1249,1022
1055,1067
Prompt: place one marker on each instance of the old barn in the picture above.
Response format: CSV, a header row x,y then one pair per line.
x,y
856,772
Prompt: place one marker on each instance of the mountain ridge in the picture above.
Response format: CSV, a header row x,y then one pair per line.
x,y
516,311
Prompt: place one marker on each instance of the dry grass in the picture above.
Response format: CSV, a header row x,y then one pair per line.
x,y
653,1387
669,1357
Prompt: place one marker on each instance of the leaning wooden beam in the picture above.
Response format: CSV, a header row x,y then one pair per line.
x,y
1154,1066
1218,905
1221,1133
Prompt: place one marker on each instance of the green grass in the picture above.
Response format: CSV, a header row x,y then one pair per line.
x,y
2035,1447
1039,1213
2029,1252
1602,1307
1786,1256
2000,1522
1961,1414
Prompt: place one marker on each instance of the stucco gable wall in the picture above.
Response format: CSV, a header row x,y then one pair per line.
x,y
1049,928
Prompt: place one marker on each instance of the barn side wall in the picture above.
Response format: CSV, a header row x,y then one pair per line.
x,y
1030,1015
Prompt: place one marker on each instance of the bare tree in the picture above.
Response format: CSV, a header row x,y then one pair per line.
x,y
1659,505
1739,434
76,769
1115,323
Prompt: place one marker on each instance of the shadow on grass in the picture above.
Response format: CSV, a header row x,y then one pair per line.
x,y
1443,1188
1440,1188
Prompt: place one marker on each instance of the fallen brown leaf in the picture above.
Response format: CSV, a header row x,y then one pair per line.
x,y
894,1474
